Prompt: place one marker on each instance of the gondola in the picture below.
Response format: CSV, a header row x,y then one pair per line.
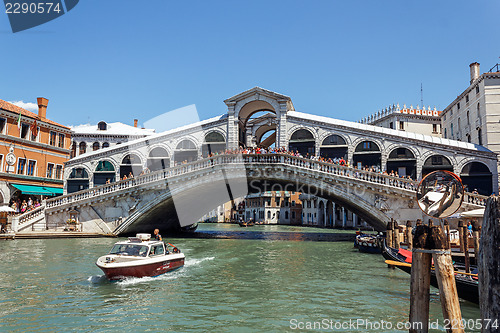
x,y
467,287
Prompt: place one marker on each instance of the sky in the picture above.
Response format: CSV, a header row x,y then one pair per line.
x,y
117,60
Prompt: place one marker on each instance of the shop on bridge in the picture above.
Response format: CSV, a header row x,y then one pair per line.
x,y
402,161
302,141
367,154
334,146
477,177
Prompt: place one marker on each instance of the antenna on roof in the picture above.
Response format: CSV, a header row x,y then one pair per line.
x,y
421,94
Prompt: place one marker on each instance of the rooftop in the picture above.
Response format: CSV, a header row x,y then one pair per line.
x,y
115,128
25,113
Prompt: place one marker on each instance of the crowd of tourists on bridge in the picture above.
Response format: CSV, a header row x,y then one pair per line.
x,y
337,160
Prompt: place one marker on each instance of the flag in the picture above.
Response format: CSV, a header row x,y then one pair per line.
x,y
34,129
19,122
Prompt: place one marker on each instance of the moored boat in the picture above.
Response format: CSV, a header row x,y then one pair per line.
x,y
467,285
139,257
367,243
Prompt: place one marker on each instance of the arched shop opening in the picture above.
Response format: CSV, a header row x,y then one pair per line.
x,y
367,153
131,163
78,180
302,141
436,162
477,176
214,143
158,159
185,151
334,146
402,161
104,172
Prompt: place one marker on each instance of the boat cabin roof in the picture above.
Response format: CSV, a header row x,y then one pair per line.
x,y
137,241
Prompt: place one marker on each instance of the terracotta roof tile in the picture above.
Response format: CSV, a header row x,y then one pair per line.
x,y
16,109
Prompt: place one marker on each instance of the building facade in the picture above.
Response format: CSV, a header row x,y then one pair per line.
x,y
88,138
274,207
423,121
474,117
33,150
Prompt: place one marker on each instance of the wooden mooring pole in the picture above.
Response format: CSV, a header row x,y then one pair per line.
x,y
465,245
445,276
447,230
397,240
489,267
409,236
431,243
461,226
420,282
476,230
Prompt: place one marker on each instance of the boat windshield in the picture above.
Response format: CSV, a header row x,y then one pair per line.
x,y
130,250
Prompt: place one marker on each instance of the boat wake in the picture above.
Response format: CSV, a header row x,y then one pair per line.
x,y
194,262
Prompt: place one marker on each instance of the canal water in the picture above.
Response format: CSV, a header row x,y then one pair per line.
x,y
230,284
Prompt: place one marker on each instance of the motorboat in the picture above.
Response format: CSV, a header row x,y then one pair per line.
x,y
139,257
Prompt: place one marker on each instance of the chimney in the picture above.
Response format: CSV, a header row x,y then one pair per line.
x,y
474,71
135,122
42,107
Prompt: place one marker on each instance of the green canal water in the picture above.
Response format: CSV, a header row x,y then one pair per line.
x,y
235,284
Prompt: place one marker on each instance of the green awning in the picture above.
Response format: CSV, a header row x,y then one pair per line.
x,y
38,190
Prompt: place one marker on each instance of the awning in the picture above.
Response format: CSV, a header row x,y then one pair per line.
x,y
38,190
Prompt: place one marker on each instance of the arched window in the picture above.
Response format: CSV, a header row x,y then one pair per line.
x,y
83,148
73,149
480,137
105,145
302,141
78,180
367,154
158,159
468,119
286,215
268,214
214,143
104,172
131,166
95,146
436,162
102,126
185,151
477,176
334,146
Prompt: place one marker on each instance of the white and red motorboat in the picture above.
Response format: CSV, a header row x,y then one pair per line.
x,y
139,257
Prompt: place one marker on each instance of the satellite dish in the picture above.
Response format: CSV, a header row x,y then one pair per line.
x,y
440,194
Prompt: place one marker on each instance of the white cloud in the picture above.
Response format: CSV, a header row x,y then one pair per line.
x,y
33,107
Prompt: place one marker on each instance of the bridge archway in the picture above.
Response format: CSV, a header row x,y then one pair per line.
x,y
214,143
245,116
185,151
131,163
161,210
104,171
477,176
302,140
158,159
367,153
334,146
78,180
436,162
402,161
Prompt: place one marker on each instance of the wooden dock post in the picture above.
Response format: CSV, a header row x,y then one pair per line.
x,y
489,265
388,234
397,240
445,276
465,237
461,226
476,229
447,230
420,282
409,236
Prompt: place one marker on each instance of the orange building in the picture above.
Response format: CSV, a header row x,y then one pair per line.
x,y
33,150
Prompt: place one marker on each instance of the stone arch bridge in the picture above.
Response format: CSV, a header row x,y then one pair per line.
x,y
152,200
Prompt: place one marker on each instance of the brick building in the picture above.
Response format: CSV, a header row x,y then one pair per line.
x,y
33,150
